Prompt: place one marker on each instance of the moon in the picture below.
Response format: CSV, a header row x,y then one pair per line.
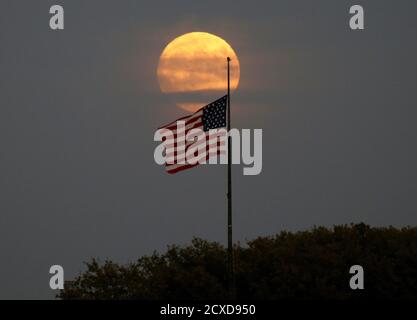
x,y
193,69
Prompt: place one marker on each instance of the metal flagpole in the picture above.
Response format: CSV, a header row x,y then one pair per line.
x,y
230,262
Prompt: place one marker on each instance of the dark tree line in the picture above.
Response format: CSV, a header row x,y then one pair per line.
x,y
302,265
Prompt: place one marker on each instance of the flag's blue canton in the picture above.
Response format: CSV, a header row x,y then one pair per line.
x,y
214,114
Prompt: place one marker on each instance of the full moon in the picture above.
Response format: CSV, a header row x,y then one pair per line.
x,y
193,69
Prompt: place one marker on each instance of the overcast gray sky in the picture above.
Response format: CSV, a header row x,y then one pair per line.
x,y
79,107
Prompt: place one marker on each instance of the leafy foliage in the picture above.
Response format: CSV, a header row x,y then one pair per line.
x,y
303,265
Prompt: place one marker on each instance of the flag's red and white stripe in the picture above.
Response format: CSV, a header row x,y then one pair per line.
x,y
193,121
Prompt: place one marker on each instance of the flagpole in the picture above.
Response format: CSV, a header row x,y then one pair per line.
x,y
230,262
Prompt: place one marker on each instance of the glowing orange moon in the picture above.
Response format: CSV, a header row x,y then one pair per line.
x,y
194,66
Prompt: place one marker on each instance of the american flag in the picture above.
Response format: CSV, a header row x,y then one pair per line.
x,y
212,116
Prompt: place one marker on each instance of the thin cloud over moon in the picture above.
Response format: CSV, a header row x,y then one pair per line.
x,y
196,63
